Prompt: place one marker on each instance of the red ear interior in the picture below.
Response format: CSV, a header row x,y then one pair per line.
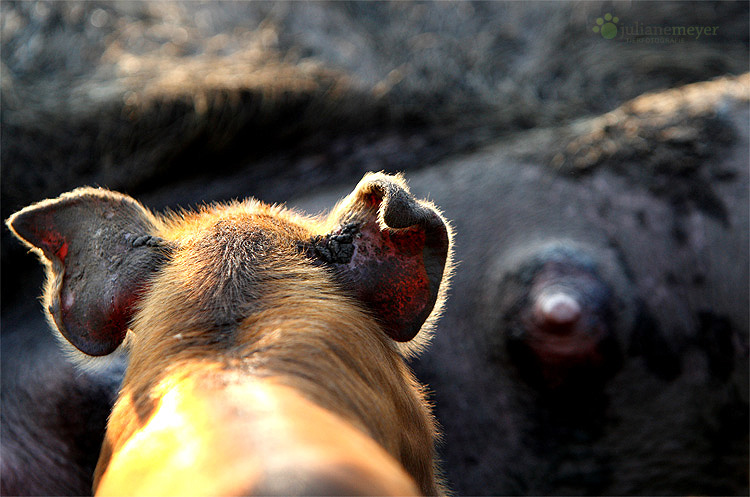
x,y
400,252
96,271
40,231
389,274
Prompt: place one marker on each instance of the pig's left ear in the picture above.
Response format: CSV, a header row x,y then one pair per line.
x,y
99,250
391,250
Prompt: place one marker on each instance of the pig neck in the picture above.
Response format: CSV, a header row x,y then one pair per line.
x,y
210,435
317,344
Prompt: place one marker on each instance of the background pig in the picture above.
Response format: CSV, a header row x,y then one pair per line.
x,y
644,390
665,408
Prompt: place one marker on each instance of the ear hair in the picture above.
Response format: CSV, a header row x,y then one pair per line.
x,y
332,248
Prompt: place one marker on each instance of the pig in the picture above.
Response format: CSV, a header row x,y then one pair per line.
x,y
596,341
265,349
54,414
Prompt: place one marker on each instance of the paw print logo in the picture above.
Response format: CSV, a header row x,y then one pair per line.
x,y
606,26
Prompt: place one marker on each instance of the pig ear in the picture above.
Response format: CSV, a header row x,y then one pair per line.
x,y
98,250
391,250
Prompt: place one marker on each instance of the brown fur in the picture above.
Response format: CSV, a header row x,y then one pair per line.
x,y
252,369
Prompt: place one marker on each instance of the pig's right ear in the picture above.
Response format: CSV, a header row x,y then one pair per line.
x,y
99,250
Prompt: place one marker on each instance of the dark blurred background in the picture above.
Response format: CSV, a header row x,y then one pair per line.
x,y
181,102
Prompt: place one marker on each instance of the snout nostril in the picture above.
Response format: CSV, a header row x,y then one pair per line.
x,y
557,309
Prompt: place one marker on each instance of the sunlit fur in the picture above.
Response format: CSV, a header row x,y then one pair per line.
x,y
238,304
252,367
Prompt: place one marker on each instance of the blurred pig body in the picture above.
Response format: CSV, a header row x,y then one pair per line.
x,y
666,408
53,414
596,340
